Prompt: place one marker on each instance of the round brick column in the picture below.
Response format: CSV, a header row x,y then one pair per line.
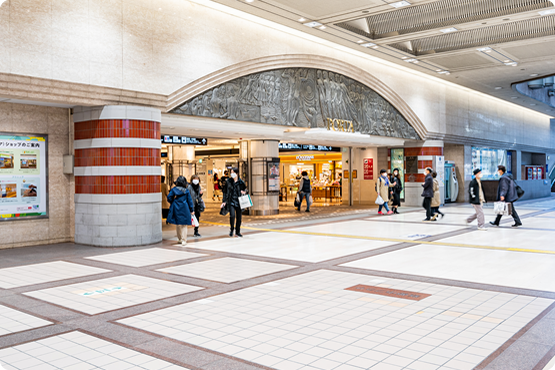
x,y
117,176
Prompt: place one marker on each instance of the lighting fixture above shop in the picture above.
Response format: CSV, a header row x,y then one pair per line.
x,y
400,4
444,73
534,75
411,60
486,49
512,64
370,45
302,20
313,24
547,12
498,88
449,30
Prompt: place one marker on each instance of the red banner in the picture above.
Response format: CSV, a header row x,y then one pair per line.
x,y
368,168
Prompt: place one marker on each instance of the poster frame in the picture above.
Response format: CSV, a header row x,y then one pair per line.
x,y
47,185
273,162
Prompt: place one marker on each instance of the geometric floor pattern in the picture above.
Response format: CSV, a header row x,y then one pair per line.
x,y
14,277
329,290
78,351
227,270
13,321
311,322
146,257
97,296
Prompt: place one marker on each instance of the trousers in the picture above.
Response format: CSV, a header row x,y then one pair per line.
x,y
427,204
235,218
181,232
478,215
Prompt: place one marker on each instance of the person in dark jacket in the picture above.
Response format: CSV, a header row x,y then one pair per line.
x,y
305,190
428,194
396,190
196,194
477,199
506,192
181,208
223,183
234,188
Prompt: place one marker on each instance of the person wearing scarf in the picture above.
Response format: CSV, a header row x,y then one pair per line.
x,y
196,193
383,191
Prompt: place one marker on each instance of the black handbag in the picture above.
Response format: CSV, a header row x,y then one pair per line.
x,y
519,191
224,211
297,202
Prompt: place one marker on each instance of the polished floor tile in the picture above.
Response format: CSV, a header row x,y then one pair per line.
x,y
296,247
78,351
504,268
227,270
312,321
146,257
103,295
13,277
13,321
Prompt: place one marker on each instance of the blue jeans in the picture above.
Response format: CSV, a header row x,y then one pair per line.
x,y
384,206
304,196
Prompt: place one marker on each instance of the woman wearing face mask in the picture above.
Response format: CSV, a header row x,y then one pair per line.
x,y
235,188
383,191
181,207
396,191
477,199
196,193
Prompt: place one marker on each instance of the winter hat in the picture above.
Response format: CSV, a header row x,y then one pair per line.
x,y
477,171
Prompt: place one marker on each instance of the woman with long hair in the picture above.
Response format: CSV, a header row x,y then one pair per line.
x,y
396,190
181,208
234,188
196,193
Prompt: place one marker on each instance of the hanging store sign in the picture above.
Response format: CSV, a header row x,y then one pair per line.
x,y
292,147
305,158
184,140
23,177
340,125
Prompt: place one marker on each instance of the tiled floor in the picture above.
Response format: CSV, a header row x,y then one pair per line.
x,y
311,322
78,351
277,298
98,296
13,321
146,257
14,277
227,270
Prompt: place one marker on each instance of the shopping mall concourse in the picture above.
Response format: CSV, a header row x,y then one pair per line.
x,y
277,184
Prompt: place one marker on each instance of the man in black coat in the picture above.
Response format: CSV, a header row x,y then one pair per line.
x,y
428,193
506,192
477,199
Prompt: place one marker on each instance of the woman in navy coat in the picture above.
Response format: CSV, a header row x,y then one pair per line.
x,y
181,208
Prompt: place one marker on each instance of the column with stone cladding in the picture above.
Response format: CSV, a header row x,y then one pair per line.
x,y
117,176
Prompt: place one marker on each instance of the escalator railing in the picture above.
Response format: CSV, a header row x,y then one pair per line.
x,y
552,178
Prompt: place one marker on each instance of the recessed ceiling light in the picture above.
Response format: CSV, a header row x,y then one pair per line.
x,y
512,64
412,60
368,45
438,70
486,49
448,30
360,41
547,12
534,75
302,20
404,58
249,1
400,4
322,27
444,72
313,24
498,88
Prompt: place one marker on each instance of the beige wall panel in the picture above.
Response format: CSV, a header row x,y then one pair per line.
x,y
33,119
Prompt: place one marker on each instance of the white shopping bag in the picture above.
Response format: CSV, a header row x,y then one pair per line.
x,y
500,208
194,221
379,200
245,201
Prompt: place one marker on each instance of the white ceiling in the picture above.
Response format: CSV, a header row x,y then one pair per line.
x,y
515,24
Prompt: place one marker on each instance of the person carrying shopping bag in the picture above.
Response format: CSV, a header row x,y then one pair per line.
x,y
383,191
234,188
507,192
305,191
196,193
436,200
181,208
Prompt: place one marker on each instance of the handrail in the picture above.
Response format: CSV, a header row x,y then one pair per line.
x,y
552,175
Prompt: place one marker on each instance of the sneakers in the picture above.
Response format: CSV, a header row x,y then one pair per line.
x,y
390,212
308,210
380,213
231,234
184,242
516,225
482,228
197,235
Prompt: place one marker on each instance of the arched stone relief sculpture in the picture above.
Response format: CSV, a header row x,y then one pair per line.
x,y
301,97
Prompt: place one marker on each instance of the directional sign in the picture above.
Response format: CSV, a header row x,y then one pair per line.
x,y
184,140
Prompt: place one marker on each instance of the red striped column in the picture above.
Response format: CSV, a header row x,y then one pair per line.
x,y
117,176
413,182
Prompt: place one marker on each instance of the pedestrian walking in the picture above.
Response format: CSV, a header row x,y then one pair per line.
x,y
305,191
181,208
164,189
217,192
234,188
196,194
428,194
436,200
396,191
223,183
477,199
383,190
506,192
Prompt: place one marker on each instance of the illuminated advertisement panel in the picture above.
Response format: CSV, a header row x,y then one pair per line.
x,y
23,177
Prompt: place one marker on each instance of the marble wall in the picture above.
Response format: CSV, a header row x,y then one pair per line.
x,y
59,227
160,46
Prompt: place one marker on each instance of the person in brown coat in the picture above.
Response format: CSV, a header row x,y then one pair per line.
x,y
436,200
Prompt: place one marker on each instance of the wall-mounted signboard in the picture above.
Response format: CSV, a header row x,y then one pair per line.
x,y
184,140
293,147
23,177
